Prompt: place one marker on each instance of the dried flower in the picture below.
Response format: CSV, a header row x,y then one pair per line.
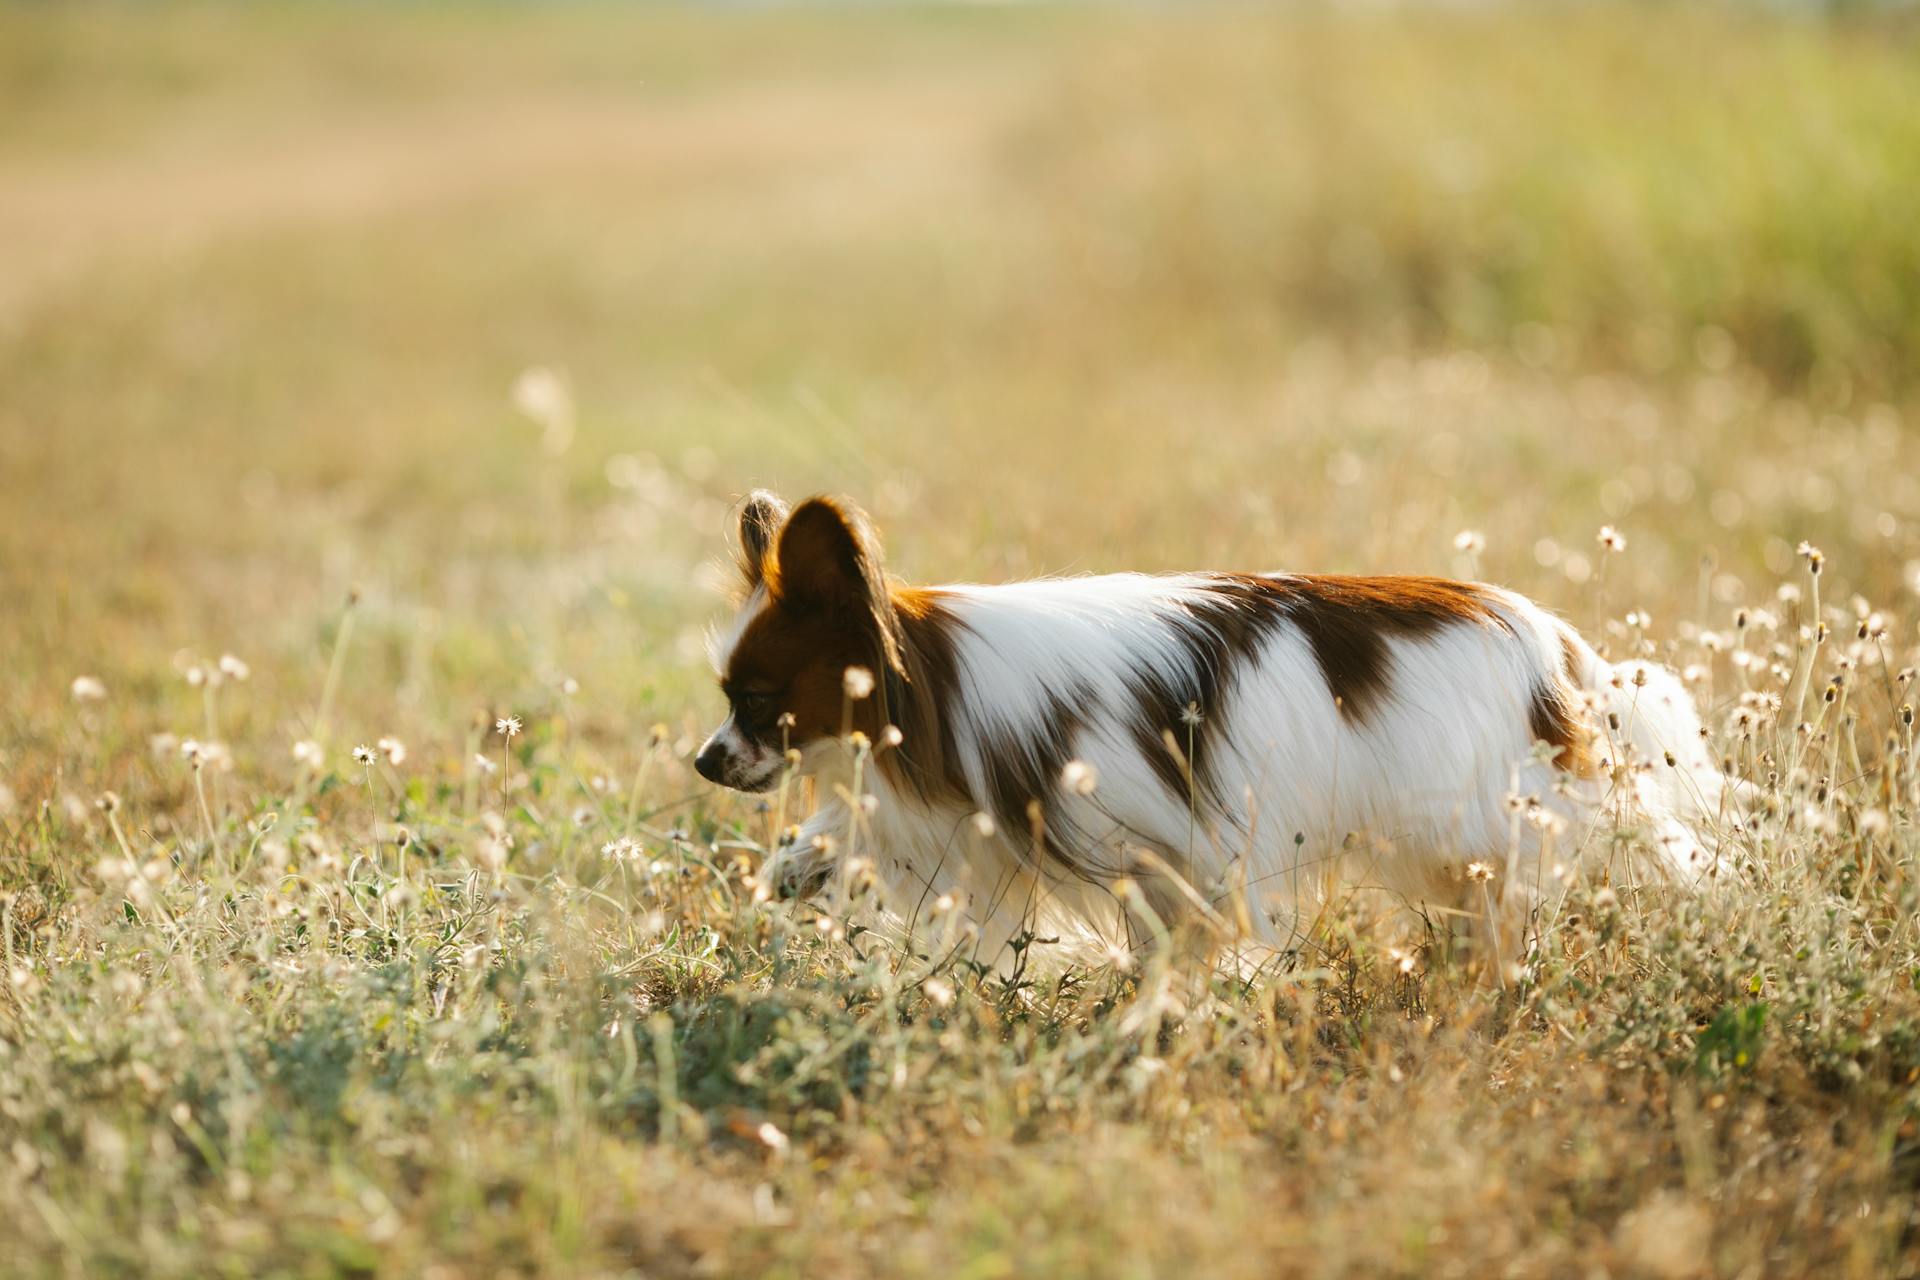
x,y
202,754
1079,777
363,754
858,682
543,395
1471,541
507,726
88,689
393,749
307,752
234,668
1612,539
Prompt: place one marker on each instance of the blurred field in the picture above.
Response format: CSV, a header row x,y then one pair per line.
x,y
1047,290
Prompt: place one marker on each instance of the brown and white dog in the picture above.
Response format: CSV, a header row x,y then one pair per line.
x,y
1218,740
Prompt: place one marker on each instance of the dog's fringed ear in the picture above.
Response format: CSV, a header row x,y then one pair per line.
x,y
761,516
828,558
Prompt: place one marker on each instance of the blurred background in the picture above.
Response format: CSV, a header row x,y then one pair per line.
x,y
489,311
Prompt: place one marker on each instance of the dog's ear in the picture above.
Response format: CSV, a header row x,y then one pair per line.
x,y
761,516
829,559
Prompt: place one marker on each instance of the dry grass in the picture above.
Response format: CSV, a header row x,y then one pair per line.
x,y
1048,291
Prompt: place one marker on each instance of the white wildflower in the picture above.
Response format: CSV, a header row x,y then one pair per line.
x,y
543,395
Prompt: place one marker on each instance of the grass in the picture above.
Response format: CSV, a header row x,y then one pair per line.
x,y
1048,291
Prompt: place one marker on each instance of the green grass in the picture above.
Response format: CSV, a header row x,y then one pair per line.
x,y
1047,291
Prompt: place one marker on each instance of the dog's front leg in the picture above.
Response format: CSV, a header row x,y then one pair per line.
x,y
803,866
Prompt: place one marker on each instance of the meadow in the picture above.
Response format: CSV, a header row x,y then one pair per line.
x,y
369,378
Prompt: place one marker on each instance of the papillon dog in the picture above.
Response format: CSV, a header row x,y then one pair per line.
x,y
1091,757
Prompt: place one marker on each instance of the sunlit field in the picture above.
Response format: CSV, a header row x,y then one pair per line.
x,y
374,382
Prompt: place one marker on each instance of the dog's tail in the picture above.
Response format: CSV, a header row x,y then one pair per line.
x,y
1649,744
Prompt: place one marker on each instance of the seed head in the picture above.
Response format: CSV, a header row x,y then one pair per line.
x,y
363,754
1612,539
1191,717
233,668
1079,777
202,754
507,726
1471,541
393,749
858,682
544,396
88,689
1811,554
307,752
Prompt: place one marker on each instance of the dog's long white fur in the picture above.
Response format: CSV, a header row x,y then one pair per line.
x,y
1440,775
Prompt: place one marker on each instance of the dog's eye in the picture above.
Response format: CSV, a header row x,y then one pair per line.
x,y
753,706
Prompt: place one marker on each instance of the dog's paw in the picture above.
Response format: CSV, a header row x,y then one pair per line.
x,y
797,875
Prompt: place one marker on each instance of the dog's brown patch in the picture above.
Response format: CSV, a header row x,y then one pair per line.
x,y
1349,620
915,696
1555,714
1218,632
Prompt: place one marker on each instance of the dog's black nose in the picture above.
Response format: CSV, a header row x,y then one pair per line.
x,y
708,762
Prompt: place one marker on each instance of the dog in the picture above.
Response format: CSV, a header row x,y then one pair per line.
x,y
1096,757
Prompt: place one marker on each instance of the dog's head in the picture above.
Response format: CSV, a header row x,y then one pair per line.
x,y
815,614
